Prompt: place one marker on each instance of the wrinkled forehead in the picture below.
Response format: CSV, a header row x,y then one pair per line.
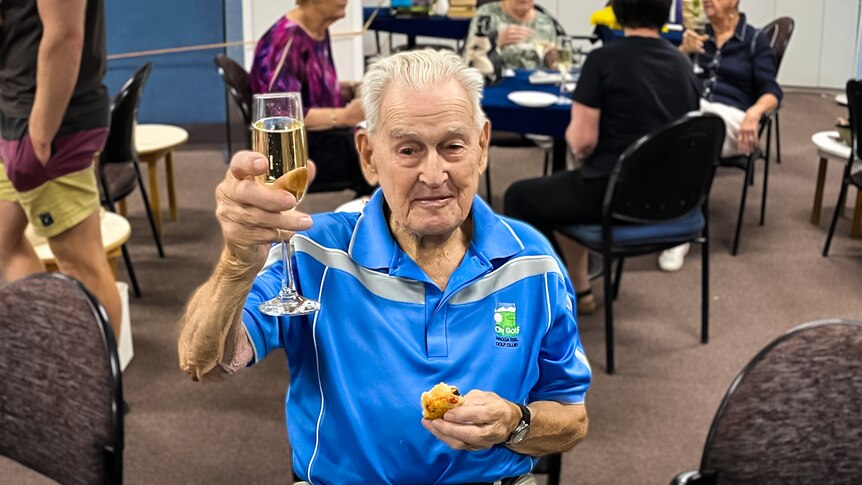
x,y
443,106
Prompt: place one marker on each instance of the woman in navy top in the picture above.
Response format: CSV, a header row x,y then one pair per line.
x,y
738,75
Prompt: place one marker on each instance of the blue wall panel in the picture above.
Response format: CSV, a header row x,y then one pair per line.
x,y
183,88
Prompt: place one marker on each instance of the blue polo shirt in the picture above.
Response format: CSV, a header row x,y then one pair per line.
x,y
386,333
741,71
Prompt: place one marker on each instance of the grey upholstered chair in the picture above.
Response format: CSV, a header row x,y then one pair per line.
x,y
60,389
793,415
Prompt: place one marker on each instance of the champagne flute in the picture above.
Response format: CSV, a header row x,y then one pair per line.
x,y
699,22
565,62
279,134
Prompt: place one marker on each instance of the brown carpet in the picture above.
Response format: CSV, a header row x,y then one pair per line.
x,y
647,422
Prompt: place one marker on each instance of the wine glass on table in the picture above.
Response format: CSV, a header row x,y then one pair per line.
x,y
542,46
565,62
278,132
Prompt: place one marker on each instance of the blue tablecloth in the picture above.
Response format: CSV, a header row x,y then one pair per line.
x,y
508,116
441,27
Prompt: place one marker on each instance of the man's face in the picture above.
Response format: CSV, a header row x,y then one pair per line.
x,y
427,154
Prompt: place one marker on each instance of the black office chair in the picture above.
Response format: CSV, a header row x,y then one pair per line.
x,y
657,198
119,168
60,382
237,83
748,164
793,415
779,32
854,104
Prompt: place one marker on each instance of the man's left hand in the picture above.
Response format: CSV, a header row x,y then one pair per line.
x,y
484,420
747,137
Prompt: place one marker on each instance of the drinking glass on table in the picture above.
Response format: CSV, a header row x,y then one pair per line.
x,y
565,62
279,134
542,46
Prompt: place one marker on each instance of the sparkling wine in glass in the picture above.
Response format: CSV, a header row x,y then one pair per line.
x,y
278,133
565,62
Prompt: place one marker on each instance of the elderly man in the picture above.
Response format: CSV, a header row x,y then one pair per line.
x,y
426,285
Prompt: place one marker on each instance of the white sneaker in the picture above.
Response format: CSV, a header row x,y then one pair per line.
x,y
671,259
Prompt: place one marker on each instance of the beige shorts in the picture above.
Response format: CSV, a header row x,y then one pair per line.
x,y
57,205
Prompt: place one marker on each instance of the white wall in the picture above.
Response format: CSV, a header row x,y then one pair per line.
x,y
259,15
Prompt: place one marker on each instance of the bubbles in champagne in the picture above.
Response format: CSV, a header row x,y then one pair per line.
x,y
282,141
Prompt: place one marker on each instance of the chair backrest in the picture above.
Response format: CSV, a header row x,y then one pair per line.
x,y
557,25
779,32
854,105
120,146
794,414
237,82
667,173
60,384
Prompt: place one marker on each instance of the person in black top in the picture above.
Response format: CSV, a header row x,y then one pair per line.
x,y
627,89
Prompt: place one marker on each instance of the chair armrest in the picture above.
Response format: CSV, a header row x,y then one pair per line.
x,y
694,477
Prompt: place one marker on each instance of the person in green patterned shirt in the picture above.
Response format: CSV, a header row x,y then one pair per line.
x,y
525,36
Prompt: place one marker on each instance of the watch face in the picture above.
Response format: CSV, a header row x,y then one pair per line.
x,y
520,433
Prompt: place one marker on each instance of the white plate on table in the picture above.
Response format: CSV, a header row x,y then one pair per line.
x,y
532,99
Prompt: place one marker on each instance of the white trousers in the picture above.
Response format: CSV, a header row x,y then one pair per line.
x,y
732,120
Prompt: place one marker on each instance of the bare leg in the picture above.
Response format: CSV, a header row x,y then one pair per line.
x,y
17,257
580,271
80,254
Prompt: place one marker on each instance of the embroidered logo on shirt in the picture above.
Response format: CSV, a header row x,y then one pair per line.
x,y
46,219
506,326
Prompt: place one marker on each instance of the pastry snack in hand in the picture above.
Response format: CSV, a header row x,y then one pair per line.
x,y
440,399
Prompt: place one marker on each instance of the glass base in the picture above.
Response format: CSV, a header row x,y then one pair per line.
x,y
288,305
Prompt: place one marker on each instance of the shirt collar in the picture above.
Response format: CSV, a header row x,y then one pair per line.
x,y
373,246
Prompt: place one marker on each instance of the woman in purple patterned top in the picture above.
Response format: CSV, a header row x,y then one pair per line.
x,y
308,68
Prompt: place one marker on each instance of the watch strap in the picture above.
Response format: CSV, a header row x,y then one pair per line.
x,y
524,423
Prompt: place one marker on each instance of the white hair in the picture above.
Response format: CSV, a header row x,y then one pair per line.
x,y
419,70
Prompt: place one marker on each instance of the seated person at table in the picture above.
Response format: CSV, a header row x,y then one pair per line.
x,y
331,109
627,89
522,32
427,284
738,84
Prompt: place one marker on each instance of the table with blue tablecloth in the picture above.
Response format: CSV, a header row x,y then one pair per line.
x,y
508,116
413,26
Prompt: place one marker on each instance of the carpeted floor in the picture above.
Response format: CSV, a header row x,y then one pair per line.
x,y
647,422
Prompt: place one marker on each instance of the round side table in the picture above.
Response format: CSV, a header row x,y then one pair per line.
x,y
154,142
115,231
830,147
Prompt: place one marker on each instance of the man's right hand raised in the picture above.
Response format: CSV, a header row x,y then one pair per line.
x,y
251,214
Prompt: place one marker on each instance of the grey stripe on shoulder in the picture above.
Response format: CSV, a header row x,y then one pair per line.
x,y
382,285
507,275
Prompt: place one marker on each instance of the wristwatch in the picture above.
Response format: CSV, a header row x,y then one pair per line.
x,y
522,429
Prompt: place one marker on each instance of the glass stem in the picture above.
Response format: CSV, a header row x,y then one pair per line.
x,y
288,287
